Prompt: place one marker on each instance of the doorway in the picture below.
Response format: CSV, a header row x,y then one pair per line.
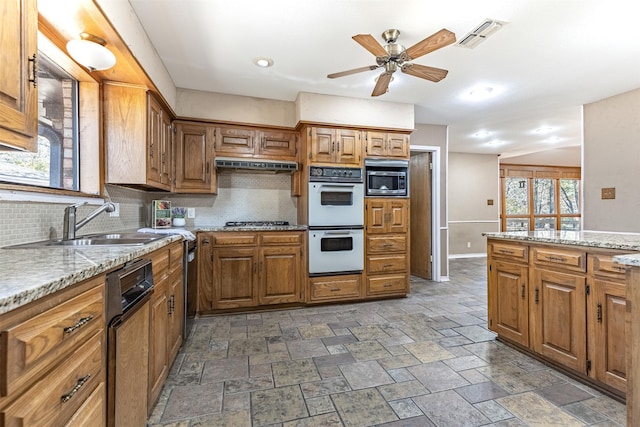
x,y
421,214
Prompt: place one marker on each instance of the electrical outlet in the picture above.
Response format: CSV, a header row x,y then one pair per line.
x,y
468,244
191,212
116,212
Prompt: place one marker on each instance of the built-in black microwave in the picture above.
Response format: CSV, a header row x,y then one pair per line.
x,y
386,178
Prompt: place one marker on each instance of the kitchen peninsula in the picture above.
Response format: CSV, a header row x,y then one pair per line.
x,y
567,298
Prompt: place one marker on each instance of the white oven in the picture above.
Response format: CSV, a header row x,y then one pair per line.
x,y
336,250
336,196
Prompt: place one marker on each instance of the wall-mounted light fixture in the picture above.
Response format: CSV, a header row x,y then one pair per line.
x,y
91,52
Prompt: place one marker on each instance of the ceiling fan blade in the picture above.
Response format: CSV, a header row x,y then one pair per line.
x,y
382,86
354,71
371,44
424,72
435,41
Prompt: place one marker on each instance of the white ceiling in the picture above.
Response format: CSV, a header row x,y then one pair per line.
x,y
550,58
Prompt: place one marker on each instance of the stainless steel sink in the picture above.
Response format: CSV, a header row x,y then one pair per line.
x,y
95,240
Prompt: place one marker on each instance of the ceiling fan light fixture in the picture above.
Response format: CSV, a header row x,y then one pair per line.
x,y
263,62
90,52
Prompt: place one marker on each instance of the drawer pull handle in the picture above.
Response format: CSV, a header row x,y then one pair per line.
x,y
523,291
620,269
506,251
81,381
78,325
537,296
599,313
335,289
388,265
388,285
556,258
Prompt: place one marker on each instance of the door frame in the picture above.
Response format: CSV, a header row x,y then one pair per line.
x,y
435,209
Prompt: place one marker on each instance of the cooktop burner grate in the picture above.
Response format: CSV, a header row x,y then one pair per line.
x,y
255,223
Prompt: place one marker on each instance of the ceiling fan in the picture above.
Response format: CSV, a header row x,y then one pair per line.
x,y
393,56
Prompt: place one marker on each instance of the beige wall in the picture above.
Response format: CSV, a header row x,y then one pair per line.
x,y
437,136
473,179
612,159
565,156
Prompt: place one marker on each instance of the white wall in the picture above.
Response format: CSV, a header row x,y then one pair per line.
x,y
612,159
565,156
473,180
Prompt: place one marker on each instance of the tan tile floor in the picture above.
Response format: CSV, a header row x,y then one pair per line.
x,y
424,360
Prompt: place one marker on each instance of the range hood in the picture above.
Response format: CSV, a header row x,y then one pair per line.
x,y
240,164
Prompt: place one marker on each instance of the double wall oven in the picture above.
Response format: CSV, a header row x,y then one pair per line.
x,y
336,220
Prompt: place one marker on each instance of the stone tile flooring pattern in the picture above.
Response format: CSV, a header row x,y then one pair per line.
x,y
424,360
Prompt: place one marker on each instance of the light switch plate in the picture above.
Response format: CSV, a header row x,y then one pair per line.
x,y
191,212
609,193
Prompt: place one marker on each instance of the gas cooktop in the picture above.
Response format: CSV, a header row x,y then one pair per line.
x,y
255,223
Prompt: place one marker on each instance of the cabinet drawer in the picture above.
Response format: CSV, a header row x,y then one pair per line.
x,y
55,398
280,238
387,263
603,265
175,256
566,258
36,343
231,239
160,263
93,410
328,288
390,284
510,251
385,244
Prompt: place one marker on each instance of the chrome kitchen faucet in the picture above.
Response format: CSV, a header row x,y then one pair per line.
x,y
70,227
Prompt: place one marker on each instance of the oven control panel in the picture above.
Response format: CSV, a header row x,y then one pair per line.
x,y
334,174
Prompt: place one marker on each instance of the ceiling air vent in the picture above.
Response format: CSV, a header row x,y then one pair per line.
x,y
480,33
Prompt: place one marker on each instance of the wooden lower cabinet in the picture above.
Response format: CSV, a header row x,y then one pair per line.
x,y
558,308
166,316
335,288
508,302
566,304
53,352
249,269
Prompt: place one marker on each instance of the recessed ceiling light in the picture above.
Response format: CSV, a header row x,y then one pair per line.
x,y
552,140
544,129
263,62
481,92
482,134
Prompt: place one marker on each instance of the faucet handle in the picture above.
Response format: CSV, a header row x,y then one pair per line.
x,y
76,205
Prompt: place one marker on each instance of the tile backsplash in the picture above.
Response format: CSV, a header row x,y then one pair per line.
x,y
241,197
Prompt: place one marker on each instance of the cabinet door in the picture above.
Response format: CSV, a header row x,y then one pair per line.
x,y
279,274
398,145
235,142
176,313
280,145
322,145
155,131
234,272
194,156
376,143
348,147
397,216
18,96
508,301
166,147
375,212
558,306
606,321
205,273
158,340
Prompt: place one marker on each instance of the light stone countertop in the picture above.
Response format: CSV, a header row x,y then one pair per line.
x,y
30,274
592,239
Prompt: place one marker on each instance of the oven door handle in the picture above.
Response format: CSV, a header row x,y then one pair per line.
x,y
337,233
337,186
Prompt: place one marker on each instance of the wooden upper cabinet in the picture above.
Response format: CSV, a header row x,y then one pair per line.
x,y
335,146
256,143
195,172
18,91
138,136
383,144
